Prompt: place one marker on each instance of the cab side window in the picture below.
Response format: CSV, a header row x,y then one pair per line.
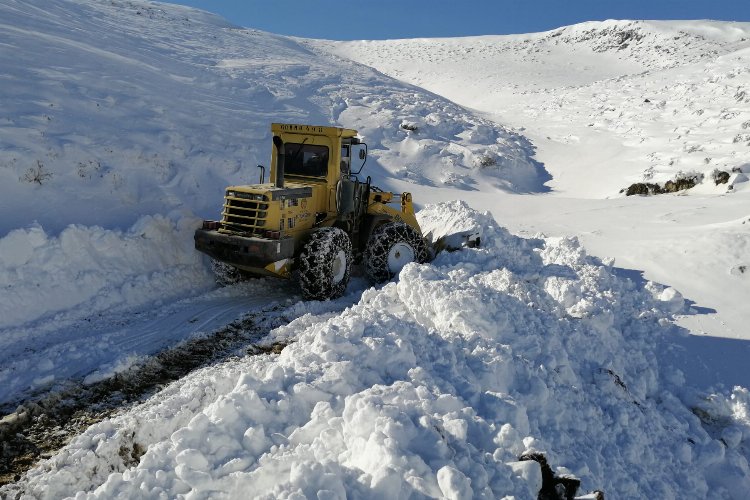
x,y
346,160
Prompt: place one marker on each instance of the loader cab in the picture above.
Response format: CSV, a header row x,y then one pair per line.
x,y
316,154
313,160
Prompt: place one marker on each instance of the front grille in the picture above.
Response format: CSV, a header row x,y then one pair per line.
x,y
244,216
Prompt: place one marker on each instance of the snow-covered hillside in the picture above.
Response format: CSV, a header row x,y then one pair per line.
x,y
607,105
657,97
123,121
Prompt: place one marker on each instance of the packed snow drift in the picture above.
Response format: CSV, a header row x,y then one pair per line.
x,y
124,120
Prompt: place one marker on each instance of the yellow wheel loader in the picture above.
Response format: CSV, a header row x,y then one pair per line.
x,y
315,218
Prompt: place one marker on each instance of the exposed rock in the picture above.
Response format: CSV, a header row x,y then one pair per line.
x,y
720,177
553,487
409,126
680,184
643,188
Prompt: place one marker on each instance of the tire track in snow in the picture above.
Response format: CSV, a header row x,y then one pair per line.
x,y
102,344
41,426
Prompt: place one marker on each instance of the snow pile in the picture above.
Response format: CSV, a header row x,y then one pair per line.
x,y
434,386
88,270
431,143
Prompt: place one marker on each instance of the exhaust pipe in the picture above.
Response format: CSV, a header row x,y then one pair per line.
x,y
279,161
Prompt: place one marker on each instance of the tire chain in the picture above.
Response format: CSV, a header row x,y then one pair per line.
x,y
380,244
316,258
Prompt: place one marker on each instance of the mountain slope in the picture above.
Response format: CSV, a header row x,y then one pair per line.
x,y
667,96
606,105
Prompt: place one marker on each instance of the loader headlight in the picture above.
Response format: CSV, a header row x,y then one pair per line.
x,y
245,196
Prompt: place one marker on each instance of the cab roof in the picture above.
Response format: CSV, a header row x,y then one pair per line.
x,y
294,128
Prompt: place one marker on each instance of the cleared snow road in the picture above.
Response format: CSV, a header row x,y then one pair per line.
x,y
98,347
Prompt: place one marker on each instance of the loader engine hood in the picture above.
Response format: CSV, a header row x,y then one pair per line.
x,y
255,210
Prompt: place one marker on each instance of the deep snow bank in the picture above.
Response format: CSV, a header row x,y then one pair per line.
x,y
433,386
88,270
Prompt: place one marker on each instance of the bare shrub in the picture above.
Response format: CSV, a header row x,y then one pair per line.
x,y
37,174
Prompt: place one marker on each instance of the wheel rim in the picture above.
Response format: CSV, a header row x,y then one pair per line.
x,y
399,255
339,267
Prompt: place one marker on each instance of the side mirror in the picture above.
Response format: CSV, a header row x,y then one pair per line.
x,y
361,154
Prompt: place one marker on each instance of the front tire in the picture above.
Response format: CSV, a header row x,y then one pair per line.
x,y
325,264
390,248
226,274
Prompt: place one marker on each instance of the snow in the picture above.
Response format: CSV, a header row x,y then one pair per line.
x,y
606,332
606,105
93,347
433,386
133,132
90,269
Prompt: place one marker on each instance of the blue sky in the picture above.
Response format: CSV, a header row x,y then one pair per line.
x,y
379,19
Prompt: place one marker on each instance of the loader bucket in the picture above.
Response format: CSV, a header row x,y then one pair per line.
x,y
456,241
450,234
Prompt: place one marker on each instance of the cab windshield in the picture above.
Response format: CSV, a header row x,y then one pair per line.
x,y
307,160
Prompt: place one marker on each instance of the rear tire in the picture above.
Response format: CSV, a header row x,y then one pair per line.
x,y
390,248
325,264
